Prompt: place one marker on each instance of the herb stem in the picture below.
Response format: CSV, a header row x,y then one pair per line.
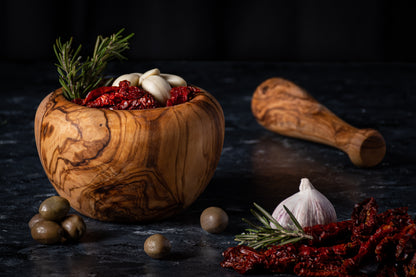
x,y
266,235
78,78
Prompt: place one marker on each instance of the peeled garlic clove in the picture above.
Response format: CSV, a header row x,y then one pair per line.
x,y
158,87
133,78
309,206
151,72
174,80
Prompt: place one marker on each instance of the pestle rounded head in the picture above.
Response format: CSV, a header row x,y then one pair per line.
x,y
367,148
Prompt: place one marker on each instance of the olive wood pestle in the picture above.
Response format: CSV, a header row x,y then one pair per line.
x,y
283,107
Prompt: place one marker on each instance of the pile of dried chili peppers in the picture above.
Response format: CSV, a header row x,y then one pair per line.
x,y
126,97
370,243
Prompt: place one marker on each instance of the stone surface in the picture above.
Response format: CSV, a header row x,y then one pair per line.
x,y
256,165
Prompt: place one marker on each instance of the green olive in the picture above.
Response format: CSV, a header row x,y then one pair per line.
x,y
47,232
214,220
54,208
74,227
157,246
35,219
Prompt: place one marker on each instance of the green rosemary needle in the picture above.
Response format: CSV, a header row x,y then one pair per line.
x,y
263,236
77,78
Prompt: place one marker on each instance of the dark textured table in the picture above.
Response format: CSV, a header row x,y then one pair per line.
x,y
256,165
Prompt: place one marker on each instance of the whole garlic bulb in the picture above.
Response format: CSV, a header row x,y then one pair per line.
x,y
309,206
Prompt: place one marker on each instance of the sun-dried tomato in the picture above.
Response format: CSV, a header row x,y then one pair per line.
x,y
387,242
329,234
126,97
281,259
410,268
242,258
364,218
181,95
146,101
95,93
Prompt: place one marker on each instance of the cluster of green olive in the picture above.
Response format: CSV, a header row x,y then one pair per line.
x,y
53,224
213,220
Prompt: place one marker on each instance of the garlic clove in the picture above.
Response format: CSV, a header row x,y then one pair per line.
x,y
133,78
174,80
309,206
147,74
158,87
157,84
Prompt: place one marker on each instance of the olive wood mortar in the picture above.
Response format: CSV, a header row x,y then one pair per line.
x,y
129,166
283,107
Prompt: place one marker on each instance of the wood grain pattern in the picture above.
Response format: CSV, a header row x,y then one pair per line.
x,y
129,166
283,107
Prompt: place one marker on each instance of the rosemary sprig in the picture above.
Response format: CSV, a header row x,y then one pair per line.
x,y
78,78
263,236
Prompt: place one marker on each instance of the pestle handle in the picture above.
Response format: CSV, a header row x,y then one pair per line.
x,y
283,107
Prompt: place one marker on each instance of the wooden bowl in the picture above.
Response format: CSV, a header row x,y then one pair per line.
x,y
129,166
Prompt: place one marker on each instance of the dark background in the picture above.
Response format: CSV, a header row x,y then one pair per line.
x,y
262,30
355,57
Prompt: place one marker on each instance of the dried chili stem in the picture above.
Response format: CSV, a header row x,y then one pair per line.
x,y
263,236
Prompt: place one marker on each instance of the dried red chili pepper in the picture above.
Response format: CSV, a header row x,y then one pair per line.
x,y
388,241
